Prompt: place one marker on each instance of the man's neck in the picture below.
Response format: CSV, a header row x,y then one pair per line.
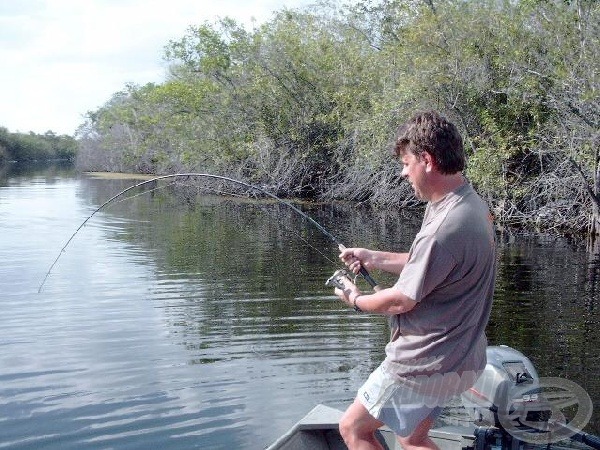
x,y
445,184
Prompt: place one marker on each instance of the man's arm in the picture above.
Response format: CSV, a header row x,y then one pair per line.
x,y
388,301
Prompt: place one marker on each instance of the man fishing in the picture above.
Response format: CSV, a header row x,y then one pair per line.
x,y
440,305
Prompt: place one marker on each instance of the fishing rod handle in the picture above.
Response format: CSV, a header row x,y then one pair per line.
x,y
369,279
591,440
365,274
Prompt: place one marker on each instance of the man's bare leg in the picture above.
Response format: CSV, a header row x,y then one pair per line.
x,y
419,439
358,428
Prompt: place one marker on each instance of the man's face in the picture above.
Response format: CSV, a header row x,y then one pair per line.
x,y
415,169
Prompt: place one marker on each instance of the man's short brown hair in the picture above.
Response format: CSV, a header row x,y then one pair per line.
x,y
431,132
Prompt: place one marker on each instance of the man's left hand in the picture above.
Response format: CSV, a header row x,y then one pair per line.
x,y
348,293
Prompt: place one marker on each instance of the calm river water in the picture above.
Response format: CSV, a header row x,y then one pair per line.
x,y
206,324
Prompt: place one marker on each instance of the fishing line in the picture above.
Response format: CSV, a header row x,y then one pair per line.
x,y
145,192
281,223
290,230
331,237
308,244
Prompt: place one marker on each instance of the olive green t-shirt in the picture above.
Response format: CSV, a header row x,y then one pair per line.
x,y
450,272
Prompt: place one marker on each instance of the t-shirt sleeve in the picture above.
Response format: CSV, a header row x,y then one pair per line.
x,y
428,265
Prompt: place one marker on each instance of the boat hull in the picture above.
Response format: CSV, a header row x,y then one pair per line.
x,y
319,430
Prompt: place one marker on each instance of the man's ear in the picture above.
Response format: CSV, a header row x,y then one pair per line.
x,y
429,161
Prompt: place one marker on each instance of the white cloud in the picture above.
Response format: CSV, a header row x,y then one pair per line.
x,y
62,58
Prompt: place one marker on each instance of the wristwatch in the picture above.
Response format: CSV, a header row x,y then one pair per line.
x,y
356,308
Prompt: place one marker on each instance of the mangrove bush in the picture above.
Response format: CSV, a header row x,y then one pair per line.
x,y
307,103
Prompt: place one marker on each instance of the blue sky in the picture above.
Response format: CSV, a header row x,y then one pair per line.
x,y
62,58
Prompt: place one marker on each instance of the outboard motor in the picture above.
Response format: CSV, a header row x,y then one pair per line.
x,y
507,372
507,404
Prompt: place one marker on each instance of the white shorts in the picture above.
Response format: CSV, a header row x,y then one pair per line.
x,y
398,406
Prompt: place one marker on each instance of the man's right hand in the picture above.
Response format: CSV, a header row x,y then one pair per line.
x,y
355,258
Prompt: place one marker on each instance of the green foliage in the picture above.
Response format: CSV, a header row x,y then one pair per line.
x,y
36,147
308,103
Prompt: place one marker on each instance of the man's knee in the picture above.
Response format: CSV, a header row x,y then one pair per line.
x,y
357,424
346,427
350,424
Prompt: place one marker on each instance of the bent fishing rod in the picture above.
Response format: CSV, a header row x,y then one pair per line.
x,y
365,274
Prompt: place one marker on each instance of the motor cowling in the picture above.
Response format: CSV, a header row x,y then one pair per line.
x,y
507,394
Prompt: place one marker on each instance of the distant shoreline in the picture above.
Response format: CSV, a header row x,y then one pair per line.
x,y
121,175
